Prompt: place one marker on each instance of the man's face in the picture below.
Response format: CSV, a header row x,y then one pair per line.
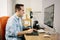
x,y
21,12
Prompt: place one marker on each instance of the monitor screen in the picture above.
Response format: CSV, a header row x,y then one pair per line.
x,y
49,16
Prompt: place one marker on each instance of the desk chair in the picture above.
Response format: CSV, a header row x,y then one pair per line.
x,y
3,21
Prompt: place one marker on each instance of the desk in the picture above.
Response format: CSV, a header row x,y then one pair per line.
x,y
41,37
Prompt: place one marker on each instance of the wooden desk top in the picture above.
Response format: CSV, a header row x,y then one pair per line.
x,y
42,37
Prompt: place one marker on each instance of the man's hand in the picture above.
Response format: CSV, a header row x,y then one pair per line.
x,y
30,30
25,32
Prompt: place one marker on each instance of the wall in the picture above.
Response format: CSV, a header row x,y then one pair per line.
x,y
36,6
9,7
57,15
5,8
47,3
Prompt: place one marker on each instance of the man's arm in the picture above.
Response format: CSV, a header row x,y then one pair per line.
x,y
24,32
11,29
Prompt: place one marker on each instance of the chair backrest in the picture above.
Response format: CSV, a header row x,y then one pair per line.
x,y
0,30
3,21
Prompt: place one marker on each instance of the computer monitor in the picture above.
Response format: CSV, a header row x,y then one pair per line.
x,y
49,16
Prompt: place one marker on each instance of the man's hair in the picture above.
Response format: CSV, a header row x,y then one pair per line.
x,y
18,7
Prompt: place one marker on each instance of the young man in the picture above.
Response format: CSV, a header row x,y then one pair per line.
x,y
14,26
